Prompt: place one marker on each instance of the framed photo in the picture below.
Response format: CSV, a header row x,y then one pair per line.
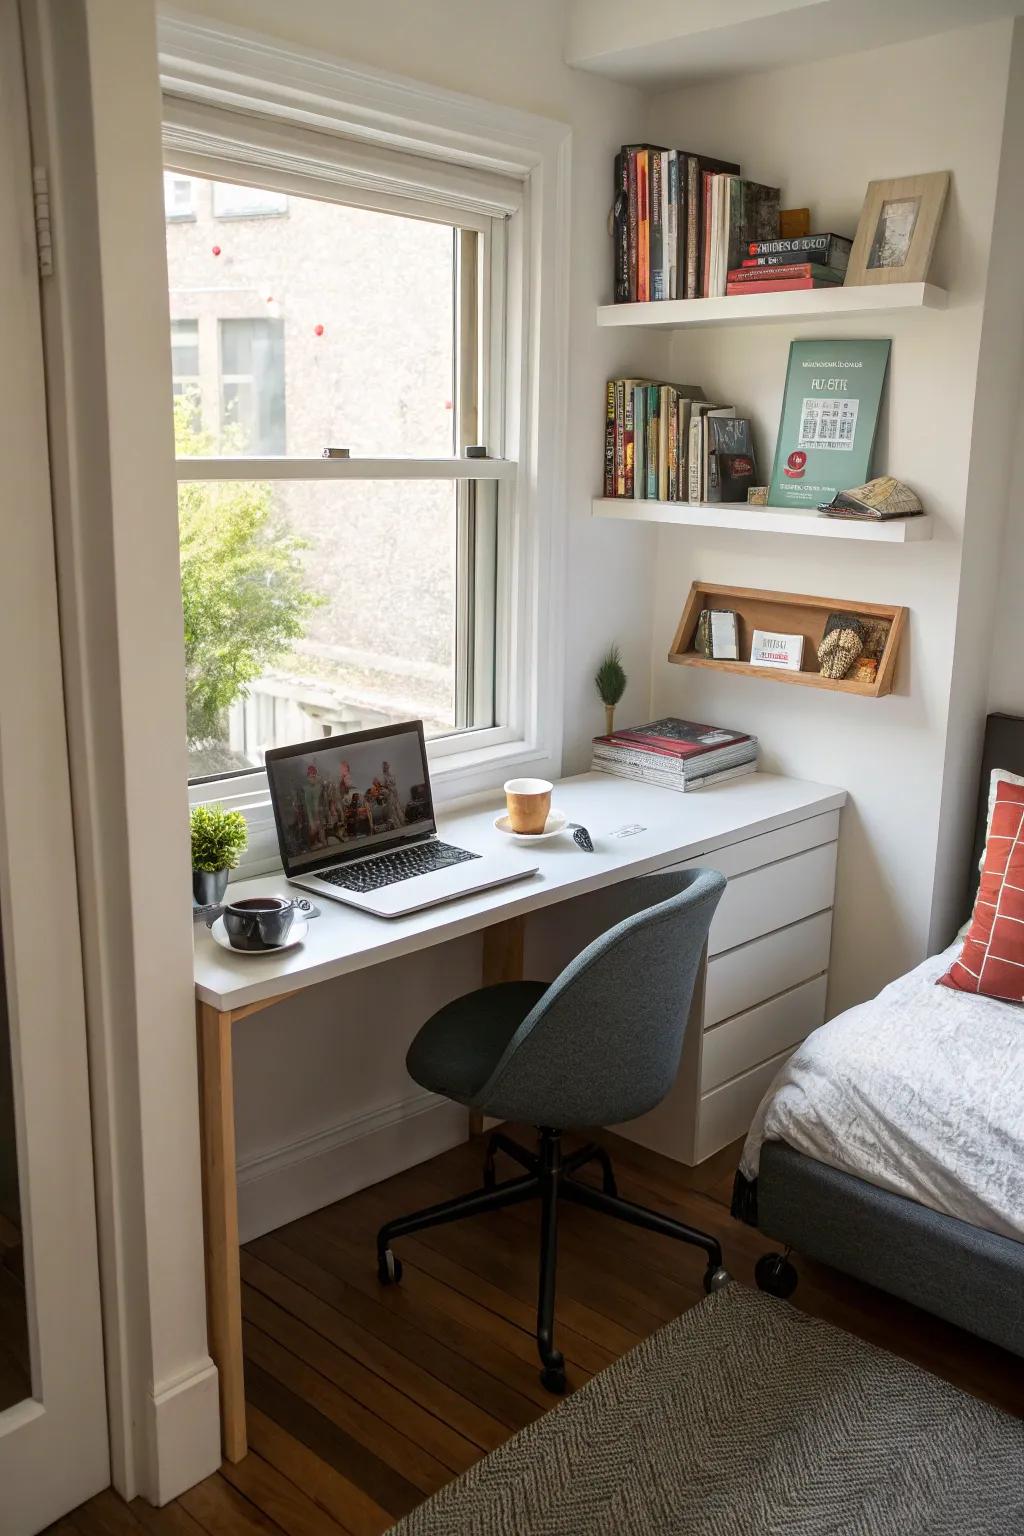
x,y
897,228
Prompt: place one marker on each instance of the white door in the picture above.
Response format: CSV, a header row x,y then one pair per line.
x,y
53,1425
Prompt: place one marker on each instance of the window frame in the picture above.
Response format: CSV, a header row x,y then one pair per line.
x,y
239,108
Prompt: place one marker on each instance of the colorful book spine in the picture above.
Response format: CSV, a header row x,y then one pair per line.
x,y
632,221
830,250
620,226
643,227
609,440
784,285
620,439
748,274
657,226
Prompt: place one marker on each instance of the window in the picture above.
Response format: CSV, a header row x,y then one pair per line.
x,y
178,196
252,385
333,595
231,201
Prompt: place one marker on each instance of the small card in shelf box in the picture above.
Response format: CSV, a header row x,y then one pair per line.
x,y
771,650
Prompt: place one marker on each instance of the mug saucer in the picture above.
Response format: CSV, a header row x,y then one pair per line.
x,y
553,827
296,934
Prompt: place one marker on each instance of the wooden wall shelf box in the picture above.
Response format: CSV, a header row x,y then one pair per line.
x,y
742,517
791,614
761,308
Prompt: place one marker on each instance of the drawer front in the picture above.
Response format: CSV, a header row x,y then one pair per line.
x,y
770,898
751,1038
726,1112
751,852
742,977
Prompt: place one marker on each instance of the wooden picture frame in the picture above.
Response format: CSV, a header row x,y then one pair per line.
x,y
896,230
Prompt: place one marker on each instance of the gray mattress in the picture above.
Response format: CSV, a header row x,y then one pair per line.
x,y
958,1272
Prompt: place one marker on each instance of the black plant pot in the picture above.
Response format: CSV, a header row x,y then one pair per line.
x,y
208,887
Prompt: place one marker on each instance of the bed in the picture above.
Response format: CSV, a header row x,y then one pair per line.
x,y
891,1144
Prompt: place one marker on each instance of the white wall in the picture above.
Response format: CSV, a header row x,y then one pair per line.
x,y
937,104
1006,679
341,1072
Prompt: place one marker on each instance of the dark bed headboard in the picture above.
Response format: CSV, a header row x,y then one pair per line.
x,y
1004,748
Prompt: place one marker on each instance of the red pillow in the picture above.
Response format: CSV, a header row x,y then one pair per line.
x,y
992,958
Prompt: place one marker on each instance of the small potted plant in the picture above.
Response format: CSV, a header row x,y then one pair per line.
x,y
218,839
611,685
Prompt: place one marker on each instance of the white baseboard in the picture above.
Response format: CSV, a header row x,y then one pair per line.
x,y
184,1434
291,1181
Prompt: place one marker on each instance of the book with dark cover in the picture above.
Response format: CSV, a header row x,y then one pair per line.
x,y
746,274
696,166
675,225
633,219
829,250
657,255
609,440
643,226
730,458
671,737
620,228
795,258
753,217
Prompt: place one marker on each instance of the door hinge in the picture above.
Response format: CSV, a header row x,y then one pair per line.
x,y
41,201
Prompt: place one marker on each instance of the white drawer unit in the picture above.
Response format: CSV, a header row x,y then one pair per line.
x,y
763,988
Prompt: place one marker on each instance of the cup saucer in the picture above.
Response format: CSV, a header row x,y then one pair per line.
x,y
296,934
553,827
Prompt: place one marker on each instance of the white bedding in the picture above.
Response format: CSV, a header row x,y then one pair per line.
x,y
919,1091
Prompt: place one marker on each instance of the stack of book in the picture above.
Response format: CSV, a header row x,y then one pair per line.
x,y
677,754
680,221
784,266
665,442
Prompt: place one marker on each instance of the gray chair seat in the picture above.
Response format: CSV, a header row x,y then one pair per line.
x,y
456,1051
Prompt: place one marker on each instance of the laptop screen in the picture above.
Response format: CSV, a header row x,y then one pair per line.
x,y
346,796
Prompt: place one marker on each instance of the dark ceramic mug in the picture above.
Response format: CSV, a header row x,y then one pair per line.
x,y
259,922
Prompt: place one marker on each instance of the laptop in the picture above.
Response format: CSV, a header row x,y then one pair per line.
x,y
355,823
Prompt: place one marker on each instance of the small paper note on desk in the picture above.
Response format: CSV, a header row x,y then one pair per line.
x,y
768,649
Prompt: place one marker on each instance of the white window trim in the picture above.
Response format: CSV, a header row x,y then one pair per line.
x,y
206,65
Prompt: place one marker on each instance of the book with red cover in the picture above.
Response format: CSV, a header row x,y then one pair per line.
x,y
787,285
671,737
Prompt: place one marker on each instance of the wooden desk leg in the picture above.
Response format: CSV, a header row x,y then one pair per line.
x,y
504,945
220,1216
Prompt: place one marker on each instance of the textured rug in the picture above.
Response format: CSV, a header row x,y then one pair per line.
x,y
745,1417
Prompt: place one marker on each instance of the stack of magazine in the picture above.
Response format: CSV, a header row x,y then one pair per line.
x,y
677,754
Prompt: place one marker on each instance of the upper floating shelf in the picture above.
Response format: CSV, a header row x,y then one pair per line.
x,y
762,308
741,516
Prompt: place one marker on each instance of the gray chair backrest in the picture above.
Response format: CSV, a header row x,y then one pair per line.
x,y
603,1044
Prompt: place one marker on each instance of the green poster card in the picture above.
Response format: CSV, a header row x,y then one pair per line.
x,y
829,417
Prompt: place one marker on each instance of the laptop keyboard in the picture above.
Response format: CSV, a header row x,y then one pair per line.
x,y
389,868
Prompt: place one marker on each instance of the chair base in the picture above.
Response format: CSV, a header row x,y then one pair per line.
x,y
549,1177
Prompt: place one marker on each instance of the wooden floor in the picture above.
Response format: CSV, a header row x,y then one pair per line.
x,y
362,1401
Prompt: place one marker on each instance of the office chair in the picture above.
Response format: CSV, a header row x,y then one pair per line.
x,y
599,1045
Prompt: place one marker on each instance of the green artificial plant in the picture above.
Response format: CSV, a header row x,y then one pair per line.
x,y
218,838
610,681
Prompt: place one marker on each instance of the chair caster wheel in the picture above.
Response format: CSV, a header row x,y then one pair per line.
x,y
552,1379
775,1274
716,1279
389,1268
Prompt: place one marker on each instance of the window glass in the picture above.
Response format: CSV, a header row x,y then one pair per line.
x,y
356,348
315,607
178,196
231,201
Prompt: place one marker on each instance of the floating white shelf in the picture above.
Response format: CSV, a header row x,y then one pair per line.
x,y
764,308
738,515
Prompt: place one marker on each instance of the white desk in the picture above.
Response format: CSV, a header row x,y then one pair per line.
x,y
677,829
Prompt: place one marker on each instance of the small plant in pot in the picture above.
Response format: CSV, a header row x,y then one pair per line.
x,y
610,682
218,839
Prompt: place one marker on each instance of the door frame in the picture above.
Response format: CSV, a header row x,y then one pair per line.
x,y
53,1446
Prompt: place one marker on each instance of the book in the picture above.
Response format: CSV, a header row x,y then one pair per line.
x,y
829,416
643,227
778,285
697,453
794,259
633,219
830,250
609,440
761,274
753,216
698,169
645,446
656,161
669,781
672,737
731,466
620,226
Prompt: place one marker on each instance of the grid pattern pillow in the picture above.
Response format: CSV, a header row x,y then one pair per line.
x,y
992,958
